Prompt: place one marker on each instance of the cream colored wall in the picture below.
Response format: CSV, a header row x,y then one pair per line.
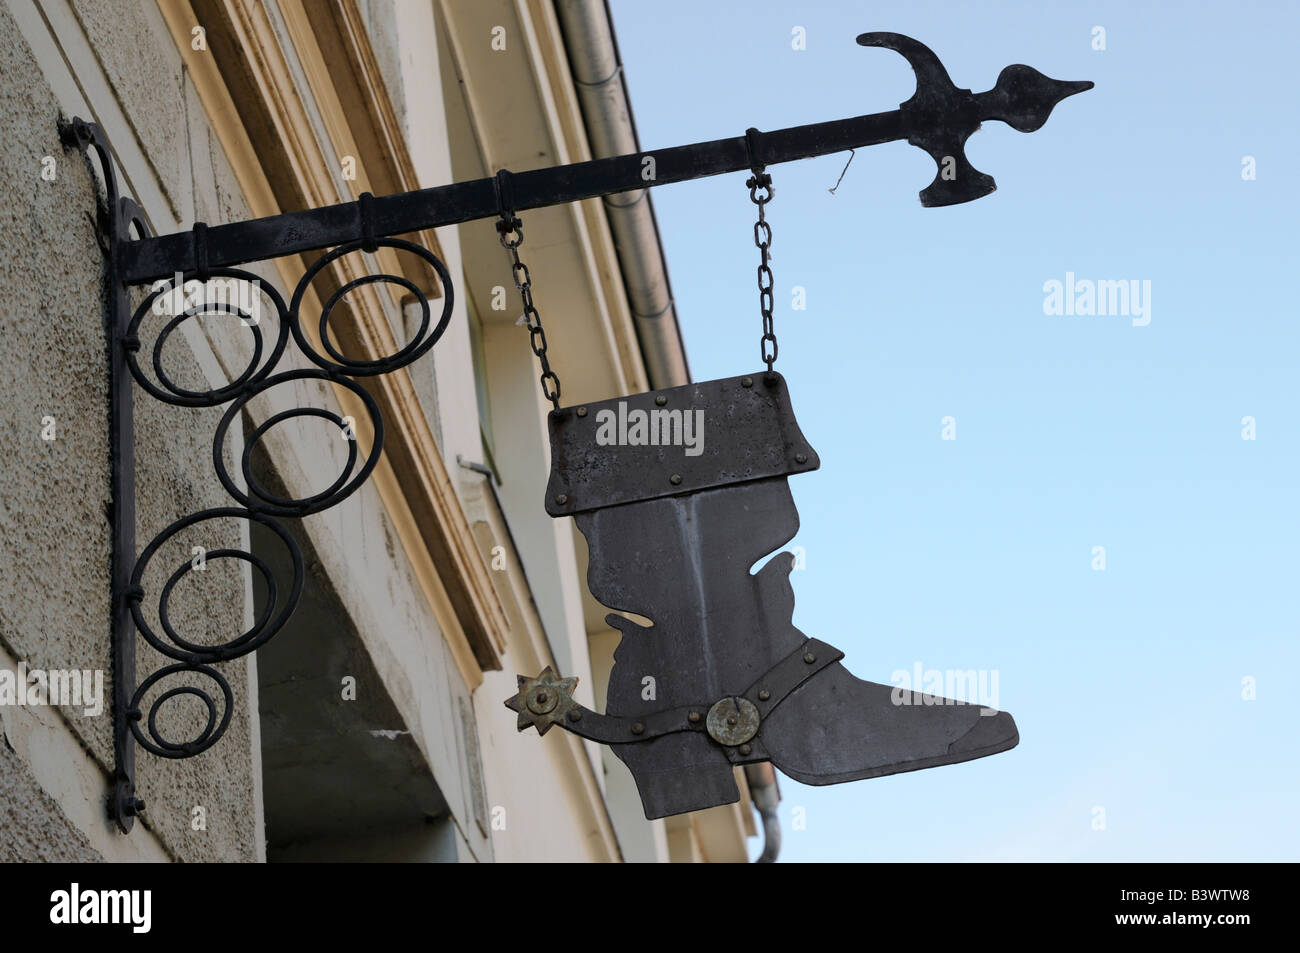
x,y
174,162
552,793
515,109
545,797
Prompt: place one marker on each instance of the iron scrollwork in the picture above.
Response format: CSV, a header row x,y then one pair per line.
x,y
134,723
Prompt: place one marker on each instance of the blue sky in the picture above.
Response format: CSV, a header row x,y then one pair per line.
x,y
1072,431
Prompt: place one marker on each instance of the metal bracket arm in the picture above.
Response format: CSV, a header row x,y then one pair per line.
x,y
938,118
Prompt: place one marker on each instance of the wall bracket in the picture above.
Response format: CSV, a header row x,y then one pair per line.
x,y
938,118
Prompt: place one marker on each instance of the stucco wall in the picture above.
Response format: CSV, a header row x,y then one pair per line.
x,y
54,605
34,826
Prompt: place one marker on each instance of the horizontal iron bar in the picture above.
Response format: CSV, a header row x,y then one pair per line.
x,y
160,257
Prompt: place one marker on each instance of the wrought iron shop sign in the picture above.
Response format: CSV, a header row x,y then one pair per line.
x,y
672,537
678,491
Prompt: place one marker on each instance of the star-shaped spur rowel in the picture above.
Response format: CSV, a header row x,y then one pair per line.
x,y
543,701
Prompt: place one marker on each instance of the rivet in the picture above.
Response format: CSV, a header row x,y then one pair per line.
x,y
675,479
575,714
747,382
661,400
732,720
801,458
638,728
562,499
764,695
582,411
810,658
541,698
745,749
693,718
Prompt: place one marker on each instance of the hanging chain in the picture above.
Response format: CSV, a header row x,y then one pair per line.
x,y
511,231
763,239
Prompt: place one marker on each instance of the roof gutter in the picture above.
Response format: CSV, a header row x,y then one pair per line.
x,y
611,131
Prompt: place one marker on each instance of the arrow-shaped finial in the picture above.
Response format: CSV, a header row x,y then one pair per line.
x,y
940,116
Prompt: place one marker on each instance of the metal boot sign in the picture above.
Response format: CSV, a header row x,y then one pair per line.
x,y
680,491
673,525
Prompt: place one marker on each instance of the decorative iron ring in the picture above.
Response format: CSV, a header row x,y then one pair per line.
x,y
168,392
211,732
186,747
164,600
400,357
338,491
412,351
165,333
191,653
289,502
